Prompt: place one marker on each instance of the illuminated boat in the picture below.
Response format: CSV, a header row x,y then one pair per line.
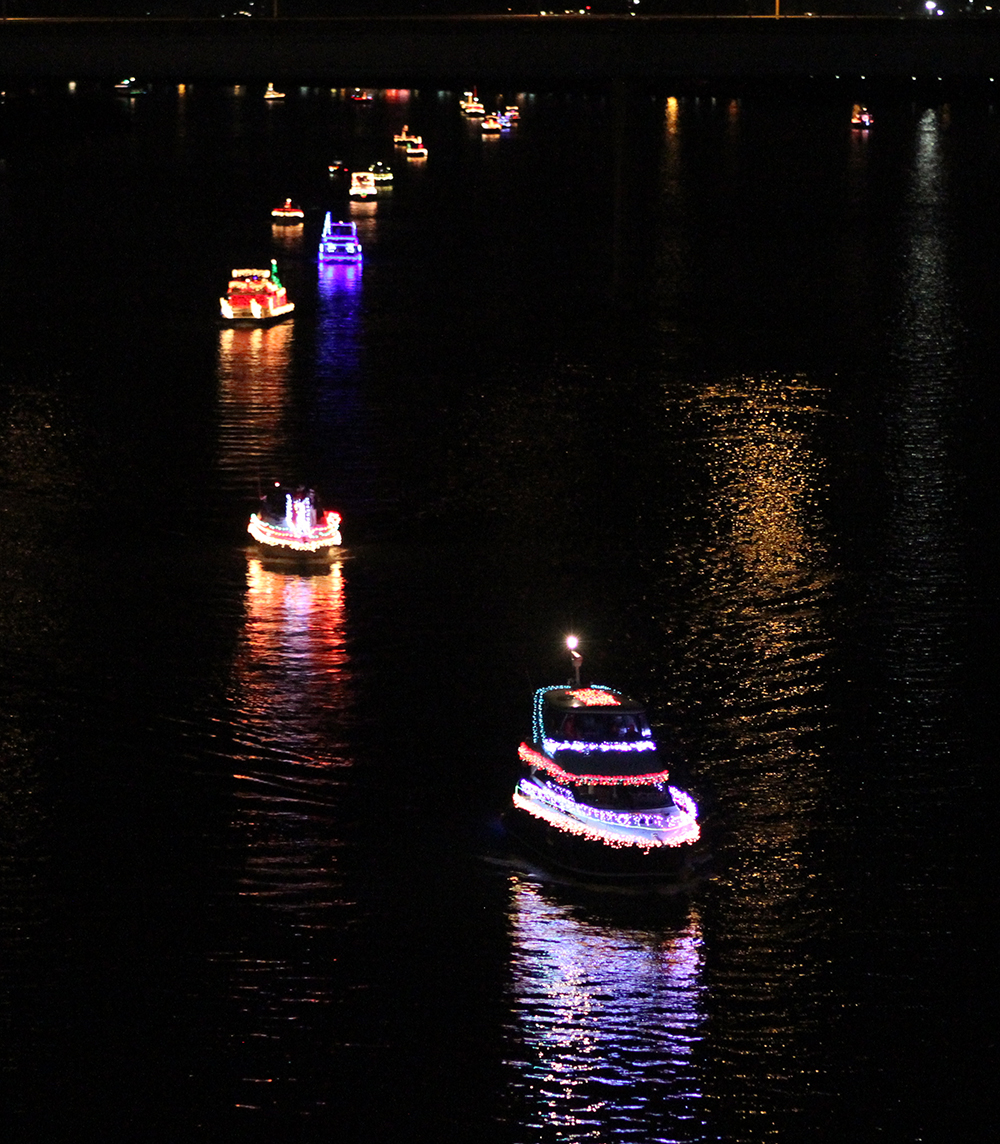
x,y
490,125
288,212
403,137
861,116
512,111
255,298
272,94
380,172
594,797
473,108
415,149
130,86
362,185
360,95
290,526
339,241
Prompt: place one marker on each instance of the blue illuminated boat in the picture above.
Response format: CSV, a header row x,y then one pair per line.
x,y
594,797
339,241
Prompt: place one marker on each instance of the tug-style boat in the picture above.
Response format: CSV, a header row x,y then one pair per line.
x,y
415,149
381,172
594,797
403,137
255,298
291,527
339,241
288,212
272,94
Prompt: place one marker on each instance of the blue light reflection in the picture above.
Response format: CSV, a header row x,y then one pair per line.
x,y
605,1021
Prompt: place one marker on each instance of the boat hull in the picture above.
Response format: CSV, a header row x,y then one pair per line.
x,y
594,861
266,319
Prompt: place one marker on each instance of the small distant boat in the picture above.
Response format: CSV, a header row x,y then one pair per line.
x,y
359,95
594,797
339,241
272,94
512,111
288,212
130,86
403,137
490,125
337,167
291,526
415,149
861,116
471,105
255,298
362,185
380,172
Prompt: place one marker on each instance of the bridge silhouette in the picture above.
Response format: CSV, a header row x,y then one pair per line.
x,y
522,51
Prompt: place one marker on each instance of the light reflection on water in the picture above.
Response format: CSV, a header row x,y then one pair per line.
x,y
253,380
604,1018
288,707
753,579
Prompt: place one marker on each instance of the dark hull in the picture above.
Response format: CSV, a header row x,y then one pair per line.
x,y
585,859
290,559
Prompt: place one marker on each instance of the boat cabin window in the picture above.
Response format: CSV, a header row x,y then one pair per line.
x,y
622,796
589,726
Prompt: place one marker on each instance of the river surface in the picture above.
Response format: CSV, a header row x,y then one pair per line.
x,y
714,386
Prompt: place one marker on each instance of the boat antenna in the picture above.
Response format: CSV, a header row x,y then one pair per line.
x,y
572,643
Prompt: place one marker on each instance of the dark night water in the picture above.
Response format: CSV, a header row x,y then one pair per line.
x,y
734,423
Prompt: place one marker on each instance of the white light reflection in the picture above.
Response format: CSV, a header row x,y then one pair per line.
x,y
923,594
605,1019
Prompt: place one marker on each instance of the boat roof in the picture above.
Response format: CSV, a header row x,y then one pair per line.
x,y
570,698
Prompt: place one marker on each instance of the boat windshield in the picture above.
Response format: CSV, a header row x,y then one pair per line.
x,y
624,796
589,726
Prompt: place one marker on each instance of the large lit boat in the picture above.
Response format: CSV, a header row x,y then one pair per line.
x,y
288,212
381,172
362,185
255,298
861,116
594,797
339,241
473,108
290,526
272,94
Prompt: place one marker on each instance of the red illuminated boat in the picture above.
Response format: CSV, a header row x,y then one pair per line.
x,y
594,797
288,212
291,526
861,116
255,298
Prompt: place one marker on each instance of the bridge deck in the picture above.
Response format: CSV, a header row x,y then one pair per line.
x,y
521,50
